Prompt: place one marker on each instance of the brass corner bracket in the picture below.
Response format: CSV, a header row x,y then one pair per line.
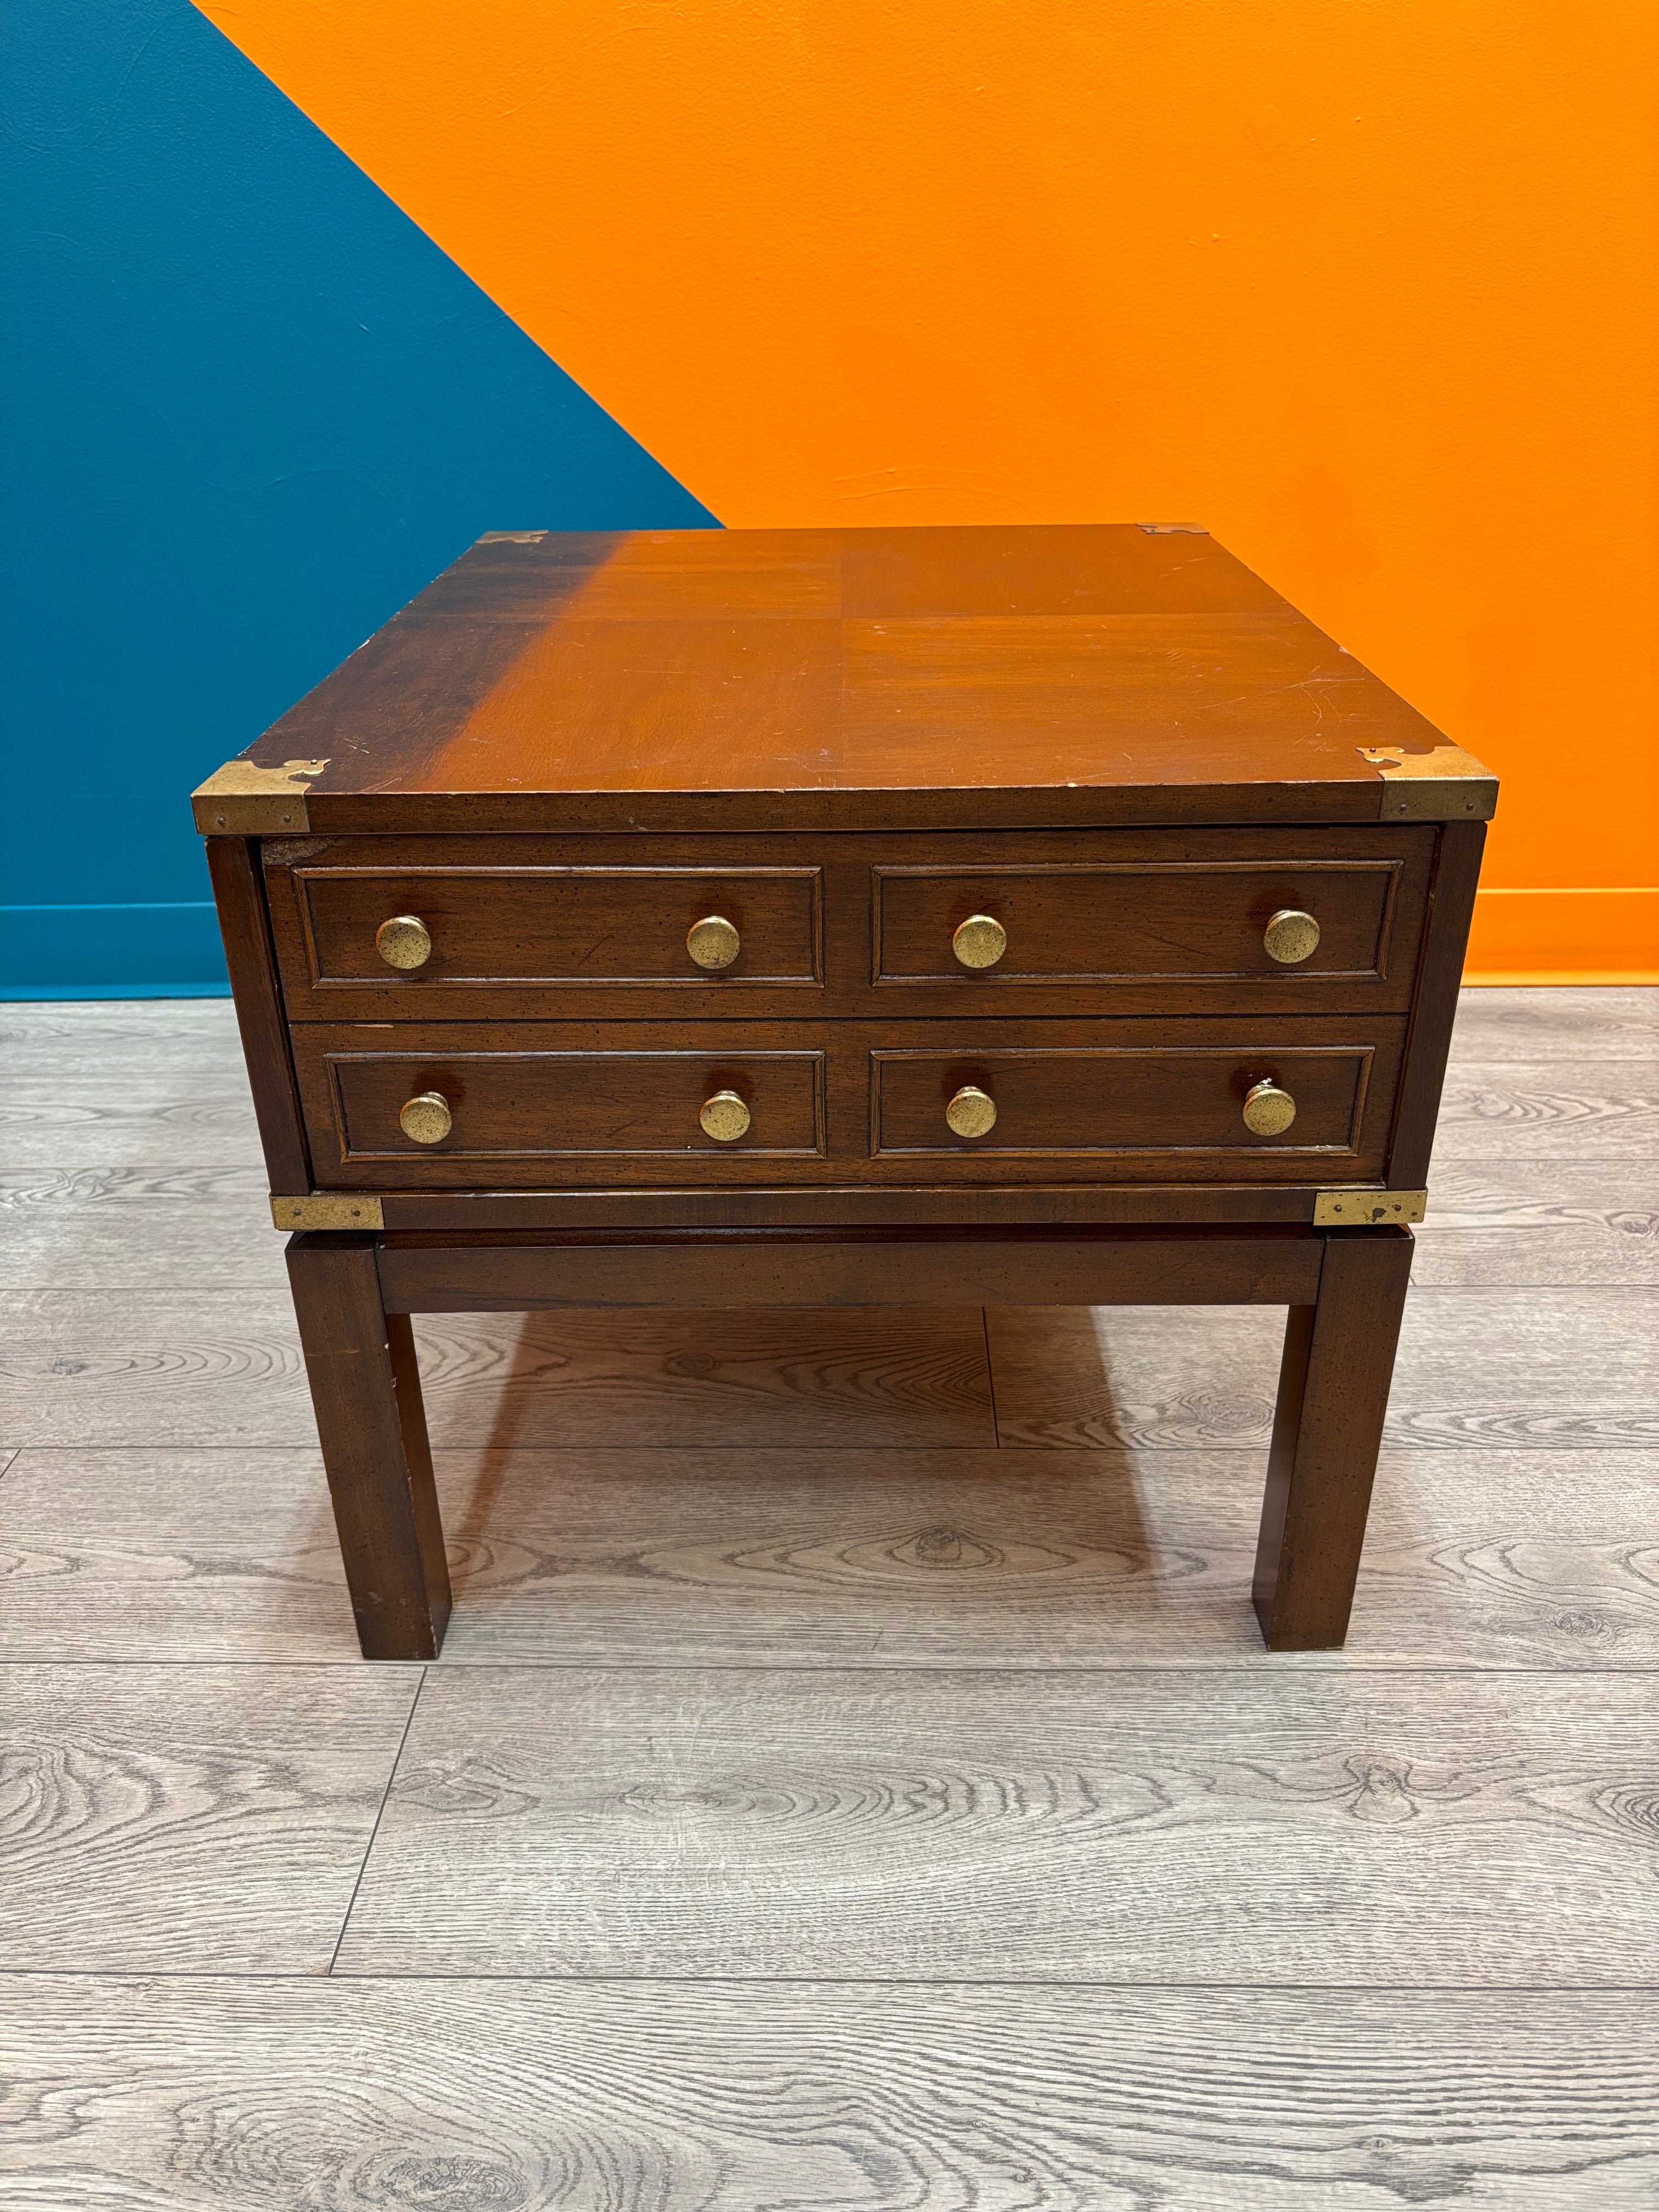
x,y
242,800
1445,785
1369,1209
352,1210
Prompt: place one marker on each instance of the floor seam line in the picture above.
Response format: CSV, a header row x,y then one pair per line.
x,y
379,1814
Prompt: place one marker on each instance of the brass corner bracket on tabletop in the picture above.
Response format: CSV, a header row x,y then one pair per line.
x,y
1444,784
242,800
332,1212
1369,1209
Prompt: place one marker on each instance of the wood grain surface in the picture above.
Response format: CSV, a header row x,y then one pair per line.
x,y
1614,1023
750,704
1550,1369
906,1556
1588,1110
1581,1224
183,1820
265,2096
853,1377
1058,1742
1140,1827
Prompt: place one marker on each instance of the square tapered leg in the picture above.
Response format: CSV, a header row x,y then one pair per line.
x,y
366,1388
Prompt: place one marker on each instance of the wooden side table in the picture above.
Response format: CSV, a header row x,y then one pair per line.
x,y
1020,916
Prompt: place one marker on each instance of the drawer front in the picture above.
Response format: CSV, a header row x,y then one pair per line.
x,y
616,1114
1098,924
1176,1101
613,1105
567,929
852,926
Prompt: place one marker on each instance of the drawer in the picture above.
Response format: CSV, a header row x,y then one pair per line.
x,y
499,923
852,925
1000,928
1244,1102
610,1105
438,1113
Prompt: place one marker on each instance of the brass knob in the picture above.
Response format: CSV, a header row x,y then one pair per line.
x,y
1290,936
426,1118
403,942
1268,1111
725,1117
972,1112
979,942
713,942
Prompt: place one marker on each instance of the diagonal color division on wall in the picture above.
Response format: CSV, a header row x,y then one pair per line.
x,y
252,410
1372,292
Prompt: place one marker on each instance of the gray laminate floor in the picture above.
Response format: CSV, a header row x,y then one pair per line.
x,y
853,1778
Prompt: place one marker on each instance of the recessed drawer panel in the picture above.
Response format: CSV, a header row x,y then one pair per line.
x,y
442,1112
546,1105
414,930
1244,1100
1099,923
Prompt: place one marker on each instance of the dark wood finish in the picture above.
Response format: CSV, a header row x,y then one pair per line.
x,y
366,1388
909,1205
569,1103
1447,935
1063,1102
597,1103
239,895
534,928
572,747
1327,1429
1259,1266
1089,922
577,924
695,680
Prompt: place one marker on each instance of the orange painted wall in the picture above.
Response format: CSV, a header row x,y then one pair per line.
x,y
1369,287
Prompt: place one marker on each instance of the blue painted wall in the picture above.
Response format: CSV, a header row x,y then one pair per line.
x,y
252,410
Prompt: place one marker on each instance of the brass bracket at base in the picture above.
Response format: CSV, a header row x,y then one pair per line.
x,y
1445,785
242,800
1369,1209
329,1213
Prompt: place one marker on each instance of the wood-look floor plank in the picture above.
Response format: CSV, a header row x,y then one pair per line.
x,y
194,2096
99,1037
1606,1021
188,1819
142,1228
1139,1827
177,1368
1556,1369
901,1557
1549,1110
855,1377
97,1124
207,1555
1569,1224
127,1368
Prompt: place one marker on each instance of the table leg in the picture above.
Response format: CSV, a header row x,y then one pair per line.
x,y
365,1387
1333,1395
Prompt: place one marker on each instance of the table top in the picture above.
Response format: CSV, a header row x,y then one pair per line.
x,y
976,677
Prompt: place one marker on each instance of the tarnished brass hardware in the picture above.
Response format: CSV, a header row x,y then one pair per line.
x,y
713,942
330,1212
972,1112
1444,785
1290,936
979,942
725,1117
1369,1209
242,800
403,942
1268,1111
426,1118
